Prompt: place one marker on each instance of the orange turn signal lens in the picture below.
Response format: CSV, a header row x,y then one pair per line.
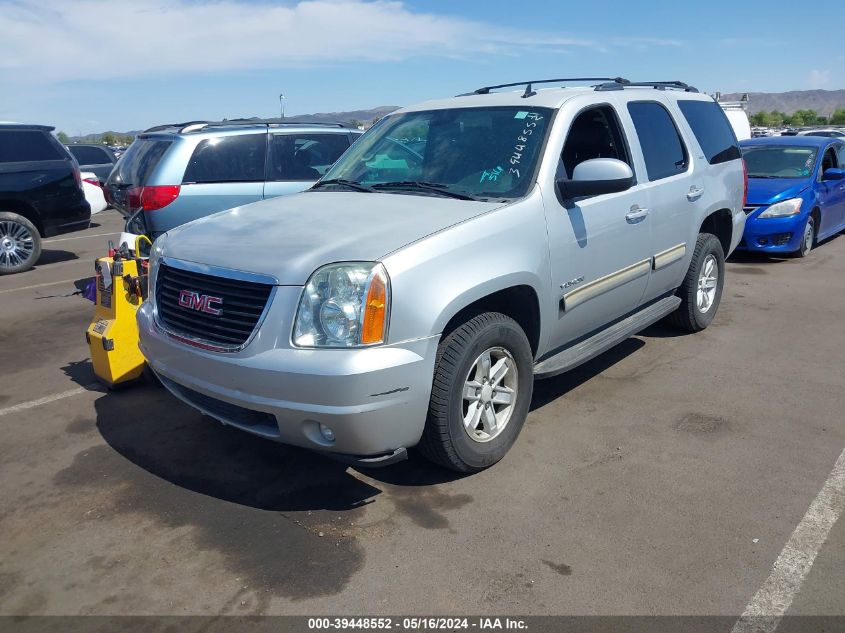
x,y
375,310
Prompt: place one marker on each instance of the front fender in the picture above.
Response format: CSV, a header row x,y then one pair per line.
x,y
435,278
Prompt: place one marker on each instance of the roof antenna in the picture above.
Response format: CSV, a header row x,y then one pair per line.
x,y
528,92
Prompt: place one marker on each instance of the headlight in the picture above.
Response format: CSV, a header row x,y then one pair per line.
x,y
783,209
344,305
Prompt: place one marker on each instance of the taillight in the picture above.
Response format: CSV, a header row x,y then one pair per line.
x,y
744,183
152,197
77,176
92,181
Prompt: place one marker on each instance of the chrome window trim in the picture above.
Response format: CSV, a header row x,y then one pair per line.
x,y
223,273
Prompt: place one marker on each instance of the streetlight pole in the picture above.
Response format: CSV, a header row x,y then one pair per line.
x,y
282,105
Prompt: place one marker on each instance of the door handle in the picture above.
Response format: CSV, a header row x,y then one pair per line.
x,y
636,214
694,193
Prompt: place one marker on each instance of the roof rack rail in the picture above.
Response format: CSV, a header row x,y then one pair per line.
x,y
662,85
528,84
192,126
608,83
167,126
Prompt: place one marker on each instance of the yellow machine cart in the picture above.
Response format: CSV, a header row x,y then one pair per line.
x,y
112,335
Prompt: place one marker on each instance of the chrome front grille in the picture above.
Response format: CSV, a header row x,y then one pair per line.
x,y
209,311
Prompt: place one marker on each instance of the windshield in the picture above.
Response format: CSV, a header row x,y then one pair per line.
x,y
479,152
779,162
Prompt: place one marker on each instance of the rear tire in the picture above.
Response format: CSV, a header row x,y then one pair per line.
x,y
701,290
483,381
20,244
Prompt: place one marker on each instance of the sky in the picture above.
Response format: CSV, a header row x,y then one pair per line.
x,y
94,65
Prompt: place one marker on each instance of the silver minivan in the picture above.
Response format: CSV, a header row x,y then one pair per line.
x,y
173,174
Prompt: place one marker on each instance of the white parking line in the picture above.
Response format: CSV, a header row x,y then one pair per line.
x,y
78,237
763,614
50,283
23,406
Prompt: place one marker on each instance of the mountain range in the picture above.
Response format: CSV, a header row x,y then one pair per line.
x,y
822,101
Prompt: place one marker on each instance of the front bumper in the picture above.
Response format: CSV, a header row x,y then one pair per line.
x,y
773,235
374,400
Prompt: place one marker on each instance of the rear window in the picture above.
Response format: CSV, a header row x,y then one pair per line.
x,y
712,130
89,155
139,161
26,145
663,150
228,159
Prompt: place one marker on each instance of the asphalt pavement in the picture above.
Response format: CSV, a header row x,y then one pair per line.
x,y
664,477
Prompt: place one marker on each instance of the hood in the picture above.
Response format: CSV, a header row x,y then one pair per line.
x,y
770,190
290,237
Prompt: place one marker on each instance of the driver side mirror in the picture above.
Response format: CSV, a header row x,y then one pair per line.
x,y
597,176
833,174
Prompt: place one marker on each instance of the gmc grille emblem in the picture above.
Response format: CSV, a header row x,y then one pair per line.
x,y
201,303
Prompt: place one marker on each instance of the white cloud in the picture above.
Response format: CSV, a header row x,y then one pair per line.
x,y
818,79
104,39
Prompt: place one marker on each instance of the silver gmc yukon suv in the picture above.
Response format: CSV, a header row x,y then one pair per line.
x,y
461,249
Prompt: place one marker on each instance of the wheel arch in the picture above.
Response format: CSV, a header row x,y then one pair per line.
x,y
720,224
519,301
12,205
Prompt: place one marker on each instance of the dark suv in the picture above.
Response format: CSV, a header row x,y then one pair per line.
x,y
40,194
99,159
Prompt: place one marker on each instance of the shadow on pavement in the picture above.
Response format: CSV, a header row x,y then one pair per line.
x,y
55,256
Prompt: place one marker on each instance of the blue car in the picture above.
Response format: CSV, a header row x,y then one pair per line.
x,y
796,192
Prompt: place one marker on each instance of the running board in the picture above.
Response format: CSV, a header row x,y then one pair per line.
x,y
588,349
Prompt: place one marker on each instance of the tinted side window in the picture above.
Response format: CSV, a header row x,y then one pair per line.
x,y
25,145
228,159
595,133
712,130
304,156
840,153
663,149
89,155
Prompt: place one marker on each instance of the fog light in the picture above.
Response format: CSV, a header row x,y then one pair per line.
x,y
326,432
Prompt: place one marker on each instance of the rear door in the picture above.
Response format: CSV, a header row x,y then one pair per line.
x,y
223,172
295,161
134,170
673,184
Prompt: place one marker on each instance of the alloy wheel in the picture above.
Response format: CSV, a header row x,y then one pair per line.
x,y
489,394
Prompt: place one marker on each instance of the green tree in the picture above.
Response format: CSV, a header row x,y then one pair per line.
x,y
838,117
64,139
109,139
777,118
796,119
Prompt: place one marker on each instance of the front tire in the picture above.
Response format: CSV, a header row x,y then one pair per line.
x,y
808,238
20,244
483,381
701,290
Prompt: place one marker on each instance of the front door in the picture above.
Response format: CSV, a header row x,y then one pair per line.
x,y
601,245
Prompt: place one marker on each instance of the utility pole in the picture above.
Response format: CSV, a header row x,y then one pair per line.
x,y
282,105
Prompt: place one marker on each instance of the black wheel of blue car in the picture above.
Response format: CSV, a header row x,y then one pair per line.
x,y
20,243
483,381
808,238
